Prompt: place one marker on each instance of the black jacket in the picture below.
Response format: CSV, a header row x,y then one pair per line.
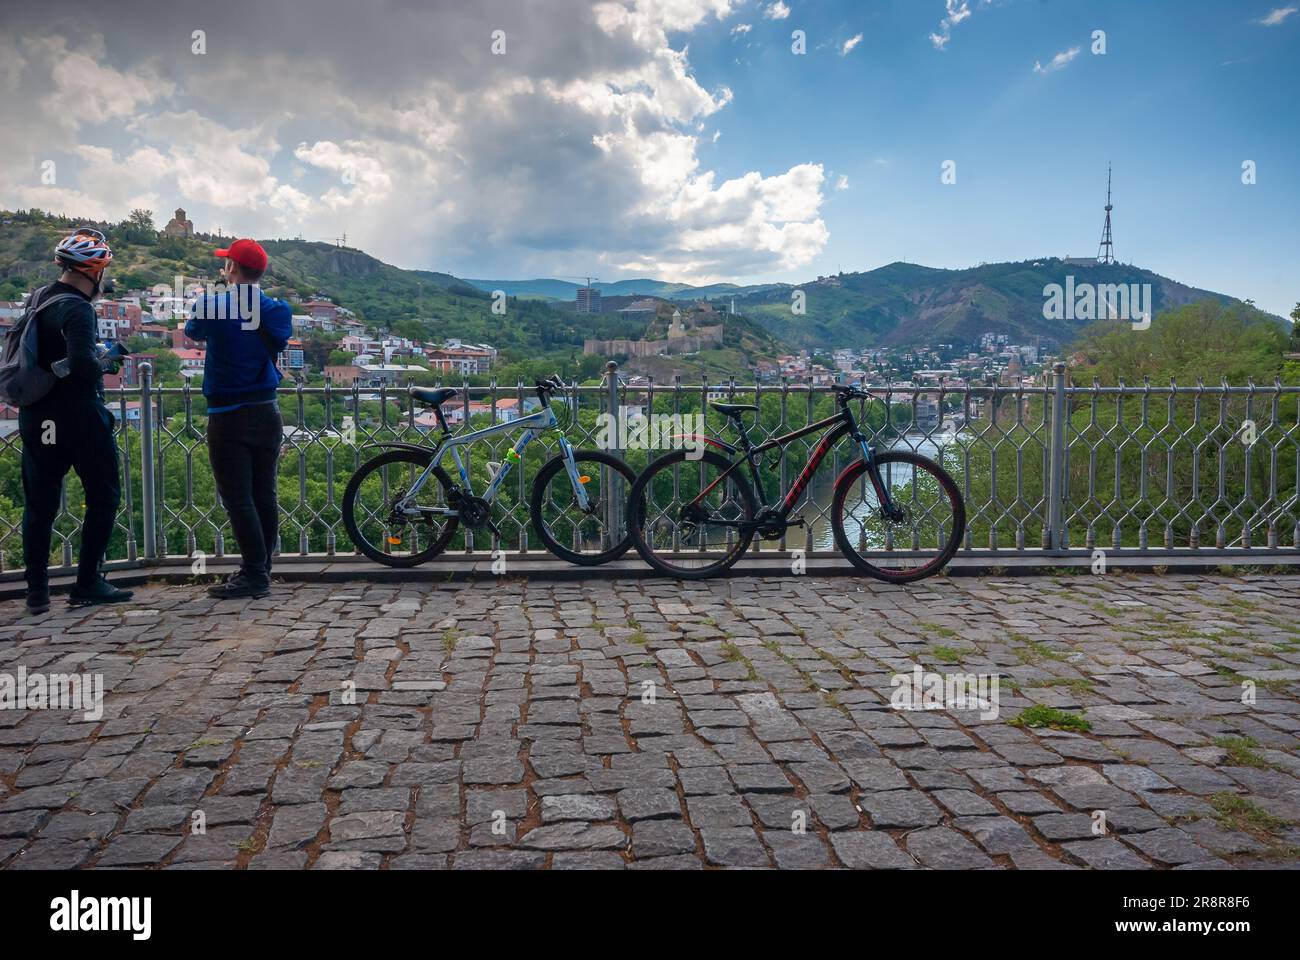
x,y
69,329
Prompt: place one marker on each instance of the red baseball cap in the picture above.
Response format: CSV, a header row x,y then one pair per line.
x,y
246,253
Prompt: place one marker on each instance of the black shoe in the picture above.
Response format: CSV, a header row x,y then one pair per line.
x,y
240,586
101,591
38,601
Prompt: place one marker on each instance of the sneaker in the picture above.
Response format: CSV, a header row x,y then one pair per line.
x,y
240,586
38,601
101,591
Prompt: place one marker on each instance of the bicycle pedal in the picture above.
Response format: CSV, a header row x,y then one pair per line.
x,y
795,522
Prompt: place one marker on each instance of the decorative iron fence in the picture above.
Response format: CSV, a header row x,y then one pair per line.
x,y
1053,469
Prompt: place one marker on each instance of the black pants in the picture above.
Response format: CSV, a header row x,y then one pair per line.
x,y
244,449
79,439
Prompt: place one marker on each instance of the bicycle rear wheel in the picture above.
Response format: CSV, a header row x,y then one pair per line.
x,y
373,525
898,552
679,537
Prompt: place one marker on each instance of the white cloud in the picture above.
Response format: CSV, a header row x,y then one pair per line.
x,y
741,29
776,11
849,44
842,183
579,147
1057,62
957,11
1277,16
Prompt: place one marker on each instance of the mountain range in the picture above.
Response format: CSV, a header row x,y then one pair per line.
x,y
903,304
552,289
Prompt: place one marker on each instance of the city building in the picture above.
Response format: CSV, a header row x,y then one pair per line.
x,y
464,360
292,359
191,361
588,300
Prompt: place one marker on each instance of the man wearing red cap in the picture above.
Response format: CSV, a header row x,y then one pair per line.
x,y
245,330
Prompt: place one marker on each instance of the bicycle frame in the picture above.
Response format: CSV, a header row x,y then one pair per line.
x,y
836,426
532,426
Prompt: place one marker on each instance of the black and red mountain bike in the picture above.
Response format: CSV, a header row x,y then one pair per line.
x,y
897,516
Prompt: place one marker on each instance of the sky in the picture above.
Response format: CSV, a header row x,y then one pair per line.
x,y
685,140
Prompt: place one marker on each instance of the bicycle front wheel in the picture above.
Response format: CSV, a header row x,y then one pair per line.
x,y
681,533
898,551
570,532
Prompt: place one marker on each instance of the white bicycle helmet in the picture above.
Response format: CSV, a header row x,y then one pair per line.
x,y
86,250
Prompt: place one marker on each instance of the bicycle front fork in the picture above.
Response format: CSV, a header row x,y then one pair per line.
x,y
888,509
571,468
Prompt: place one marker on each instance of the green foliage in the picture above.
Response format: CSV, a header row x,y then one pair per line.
x,y
1210,341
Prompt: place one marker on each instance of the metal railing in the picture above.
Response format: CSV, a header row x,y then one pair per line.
x,y
1053,469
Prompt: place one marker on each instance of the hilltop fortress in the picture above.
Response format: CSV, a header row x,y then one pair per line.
x,y
699,329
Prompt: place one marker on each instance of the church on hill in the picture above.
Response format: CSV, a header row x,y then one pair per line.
x,y
178,226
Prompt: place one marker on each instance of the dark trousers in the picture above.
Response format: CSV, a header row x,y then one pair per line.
x,y
54,442
244,450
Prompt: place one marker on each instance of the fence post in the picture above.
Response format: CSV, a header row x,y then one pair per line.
x,y
611,487
146,461
1056,476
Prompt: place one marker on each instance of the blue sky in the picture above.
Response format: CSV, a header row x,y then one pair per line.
x,y
1185,92
677,139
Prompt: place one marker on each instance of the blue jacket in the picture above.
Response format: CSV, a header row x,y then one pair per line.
x,y
240,366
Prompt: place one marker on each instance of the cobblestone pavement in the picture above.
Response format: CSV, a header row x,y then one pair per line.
x,y
646,723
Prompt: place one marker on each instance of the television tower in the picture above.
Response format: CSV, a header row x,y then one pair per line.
x,y
1106,252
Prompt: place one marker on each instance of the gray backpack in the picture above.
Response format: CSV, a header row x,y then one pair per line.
x,y
22,381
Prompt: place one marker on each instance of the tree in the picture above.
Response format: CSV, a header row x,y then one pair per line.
x,y
316,348
1209,340
138,228
1295,329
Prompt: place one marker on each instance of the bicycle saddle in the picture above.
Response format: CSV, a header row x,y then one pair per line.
x,y
733,409
434,396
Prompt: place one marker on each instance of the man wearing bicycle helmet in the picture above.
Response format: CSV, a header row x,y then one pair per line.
x,y
70,428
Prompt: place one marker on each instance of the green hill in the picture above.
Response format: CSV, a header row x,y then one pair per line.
x,y
905,304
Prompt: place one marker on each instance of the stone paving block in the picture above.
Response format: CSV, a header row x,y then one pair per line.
x,y
870,850
797,851
579,807
942,847
900,808
733,847
1169,846
574,836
